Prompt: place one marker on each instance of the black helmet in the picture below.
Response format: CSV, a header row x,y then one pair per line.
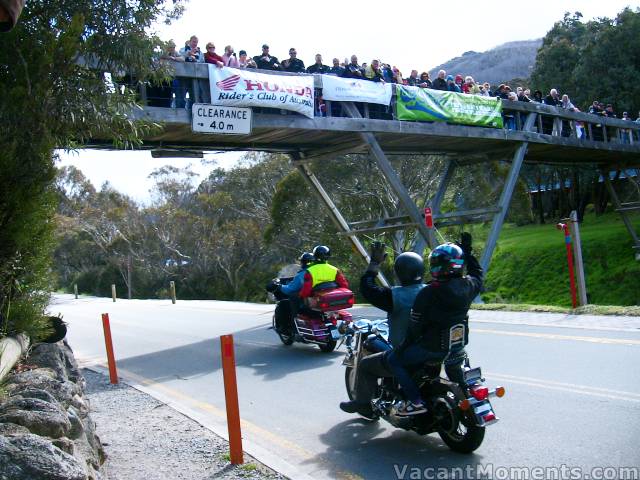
x,y
446,261
409,268
305,259
321,253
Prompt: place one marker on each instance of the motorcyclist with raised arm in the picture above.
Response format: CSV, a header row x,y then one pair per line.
x,y
439,327
438,318
398,300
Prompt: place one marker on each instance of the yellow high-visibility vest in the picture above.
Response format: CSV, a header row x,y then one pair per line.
x,y
321,273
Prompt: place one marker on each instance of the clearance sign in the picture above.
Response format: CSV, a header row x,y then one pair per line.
x,y
245,88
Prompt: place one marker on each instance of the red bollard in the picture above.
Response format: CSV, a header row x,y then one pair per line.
x,y
111,359
572,282
231,398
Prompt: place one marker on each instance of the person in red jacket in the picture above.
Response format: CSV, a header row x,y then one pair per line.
x,y
211,56
321,273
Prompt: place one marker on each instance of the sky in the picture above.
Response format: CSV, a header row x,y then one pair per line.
x,y
409,35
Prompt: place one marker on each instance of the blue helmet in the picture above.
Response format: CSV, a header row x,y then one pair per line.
x,y
305,259
446,261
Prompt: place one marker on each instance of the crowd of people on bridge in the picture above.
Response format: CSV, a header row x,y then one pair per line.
x,y
375,71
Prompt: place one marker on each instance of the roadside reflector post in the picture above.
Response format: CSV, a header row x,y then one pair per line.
x,y
75,290
113,291
572,281
172,287
111,359
231,398
577,253
428,217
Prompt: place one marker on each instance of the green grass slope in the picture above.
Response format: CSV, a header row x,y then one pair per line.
x,y
530,264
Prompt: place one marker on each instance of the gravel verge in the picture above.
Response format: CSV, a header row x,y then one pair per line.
x,y
145,439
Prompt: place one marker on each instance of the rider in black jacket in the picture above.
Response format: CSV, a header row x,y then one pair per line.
x,y
439,328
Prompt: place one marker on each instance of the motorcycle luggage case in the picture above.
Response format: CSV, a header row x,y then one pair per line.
x,y
331,300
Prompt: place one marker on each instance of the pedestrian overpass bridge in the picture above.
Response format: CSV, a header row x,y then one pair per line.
x,y
541,134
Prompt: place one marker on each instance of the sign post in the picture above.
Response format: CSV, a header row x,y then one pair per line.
x,y
428,217
572,281
577,253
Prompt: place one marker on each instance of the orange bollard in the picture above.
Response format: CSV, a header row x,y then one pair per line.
x,y
231,398
111,359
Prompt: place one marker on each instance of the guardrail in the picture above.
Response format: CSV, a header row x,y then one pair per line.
x,y
553,121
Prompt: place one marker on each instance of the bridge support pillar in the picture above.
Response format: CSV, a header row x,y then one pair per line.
x,y
505,196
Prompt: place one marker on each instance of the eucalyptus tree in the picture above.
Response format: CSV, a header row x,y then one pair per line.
x,y
54,94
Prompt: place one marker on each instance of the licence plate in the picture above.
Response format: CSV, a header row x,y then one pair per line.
x,y
335,334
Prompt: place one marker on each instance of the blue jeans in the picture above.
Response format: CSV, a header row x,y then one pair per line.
x,y
416,356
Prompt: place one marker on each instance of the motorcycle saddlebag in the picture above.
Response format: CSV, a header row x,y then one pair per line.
x,y
331,300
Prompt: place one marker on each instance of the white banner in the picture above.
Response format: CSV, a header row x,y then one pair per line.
x,y
352,90
245,88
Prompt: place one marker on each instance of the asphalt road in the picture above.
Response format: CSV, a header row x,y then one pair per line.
x,y
573,390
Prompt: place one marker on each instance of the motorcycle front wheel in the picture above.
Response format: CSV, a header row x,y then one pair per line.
x,y
328,347
285,338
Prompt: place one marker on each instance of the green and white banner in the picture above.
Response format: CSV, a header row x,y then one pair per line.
x,y
427,105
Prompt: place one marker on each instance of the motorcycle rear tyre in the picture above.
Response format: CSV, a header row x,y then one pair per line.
x,y
349,382
328,347
465,444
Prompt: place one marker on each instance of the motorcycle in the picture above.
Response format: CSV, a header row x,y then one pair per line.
x,y
458,411
319,322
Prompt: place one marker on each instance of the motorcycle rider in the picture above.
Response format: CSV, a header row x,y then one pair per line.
x,y
396,301
286,310
321,272
438,330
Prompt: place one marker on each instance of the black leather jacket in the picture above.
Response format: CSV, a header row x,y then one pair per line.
x,y
441,305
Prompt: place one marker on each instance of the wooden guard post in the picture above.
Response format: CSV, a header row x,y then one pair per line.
x,y
111,360
231,398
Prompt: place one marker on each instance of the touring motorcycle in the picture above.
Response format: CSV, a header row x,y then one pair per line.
x,y
458,412
320,321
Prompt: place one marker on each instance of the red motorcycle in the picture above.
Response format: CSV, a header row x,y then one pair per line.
x,y
319,321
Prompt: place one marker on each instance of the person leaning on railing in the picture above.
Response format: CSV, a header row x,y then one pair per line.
x,y
229,58
245,61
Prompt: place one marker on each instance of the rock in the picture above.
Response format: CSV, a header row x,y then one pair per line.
x,y
43,379
7,429
64,444
59,358
40,417
77,429
38,393
29,457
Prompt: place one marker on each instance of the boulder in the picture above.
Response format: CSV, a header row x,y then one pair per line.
x,y
38,393
77,429
58,357
7,429
40,417
29,457
43,379
65,444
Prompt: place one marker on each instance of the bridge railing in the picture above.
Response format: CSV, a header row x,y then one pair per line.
x,y
553,121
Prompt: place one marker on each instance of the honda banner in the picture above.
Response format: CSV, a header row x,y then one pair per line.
x,y
424,104
245,88
352,90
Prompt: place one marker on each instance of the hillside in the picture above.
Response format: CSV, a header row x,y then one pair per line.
x,y
500,64
530,264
